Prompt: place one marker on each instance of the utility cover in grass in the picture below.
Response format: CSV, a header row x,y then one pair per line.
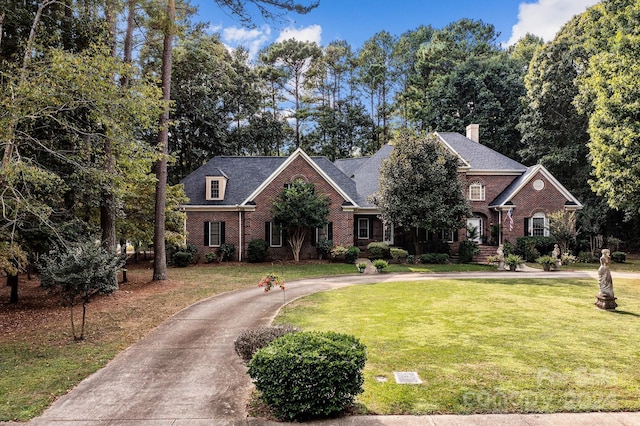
x,y
407,377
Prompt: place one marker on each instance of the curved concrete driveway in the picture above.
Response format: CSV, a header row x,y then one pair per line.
x,y
186,371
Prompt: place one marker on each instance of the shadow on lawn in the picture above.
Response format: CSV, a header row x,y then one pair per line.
x,y
633,314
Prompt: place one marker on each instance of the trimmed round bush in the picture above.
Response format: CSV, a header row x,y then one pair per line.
x,y
378,251
257,251
309,374
398,254
250,341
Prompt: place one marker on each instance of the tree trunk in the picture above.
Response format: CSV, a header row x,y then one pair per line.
x,y
295,242
159,250
12,281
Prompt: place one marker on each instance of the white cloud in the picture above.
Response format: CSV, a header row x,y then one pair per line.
x,y
544,18
251,39
310,33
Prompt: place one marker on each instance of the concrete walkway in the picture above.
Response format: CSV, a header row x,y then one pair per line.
x,y
186,371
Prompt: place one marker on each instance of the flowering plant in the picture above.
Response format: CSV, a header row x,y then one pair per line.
x,y
271,280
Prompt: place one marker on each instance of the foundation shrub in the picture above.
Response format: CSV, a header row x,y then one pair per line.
x,y
378,251
257,250
467,250
398,254
309,374
351,254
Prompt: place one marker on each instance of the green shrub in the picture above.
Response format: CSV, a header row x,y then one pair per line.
x,y
398,254
619,256
467,250
182,258
585,257
411,259
351,254
323,247
530,248
378,251
225,251
189,254
257,250
309,374
210,257
338,252
434,258
254,339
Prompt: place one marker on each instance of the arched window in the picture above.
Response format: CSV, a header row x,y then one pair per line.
x,y
476,192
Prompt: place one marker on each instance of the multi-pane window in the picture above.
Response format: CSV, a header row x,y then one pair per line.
x,y
214,189
275,234
215,234
538,225
363,228
476,192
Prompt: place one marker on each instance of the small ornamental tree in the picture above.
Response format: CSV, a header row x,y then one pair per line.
x,y
420,187
81,271
299,208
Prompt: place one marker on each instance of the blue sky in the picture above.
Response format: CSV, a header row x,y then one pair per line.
x,y
357,20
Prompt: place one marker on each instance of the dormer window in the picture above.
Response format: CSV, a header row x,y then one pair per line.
x,y
216,186
476,192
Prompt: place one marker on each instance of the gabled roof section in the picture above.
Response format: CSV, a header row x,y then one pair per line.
x,y
478,157
244,175
299,153
504,199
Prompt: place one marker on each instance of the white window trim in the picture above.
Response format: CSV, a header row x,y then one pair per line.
x,y
545,232
482,191
271,225
365,220
222,186
211,226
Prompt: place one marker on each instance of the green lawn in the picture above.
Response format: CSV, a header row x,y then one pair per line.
x,y
488,345
39,360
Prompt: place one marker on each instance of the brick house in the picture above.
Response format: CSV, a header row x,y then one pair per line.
x,y
230,199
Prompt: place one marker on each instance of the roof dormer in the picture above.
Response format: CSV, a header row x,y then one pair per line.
x,y
216,186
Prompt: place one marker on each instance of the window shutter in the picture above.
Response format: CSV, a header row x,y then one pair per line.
x,y
314,234
330,231
455,235
222,233
267,232
206,234
526,227
371,228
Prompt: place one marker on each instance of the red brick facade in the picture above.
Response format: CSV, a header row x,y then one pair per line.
x,y
537,192
252,220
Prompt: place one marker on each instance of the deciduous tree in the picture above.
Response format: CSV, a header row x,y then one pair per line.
x,y
299,208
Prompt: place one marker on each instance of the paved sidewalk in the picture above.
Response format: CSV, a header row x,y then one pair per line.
x,y
186,371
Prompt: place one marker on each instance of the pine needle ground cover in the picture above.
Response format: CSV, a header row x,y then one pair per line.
x,y
487,346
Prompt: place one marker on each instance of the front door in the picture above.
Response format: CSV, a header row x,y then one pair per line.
x,y
474,228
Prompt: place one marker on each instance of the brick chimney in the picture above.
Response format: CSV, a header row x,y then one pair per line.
x,y
473,132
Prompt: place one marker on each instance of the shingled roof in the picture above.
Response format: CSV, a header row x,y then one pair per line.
x,y
478,156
